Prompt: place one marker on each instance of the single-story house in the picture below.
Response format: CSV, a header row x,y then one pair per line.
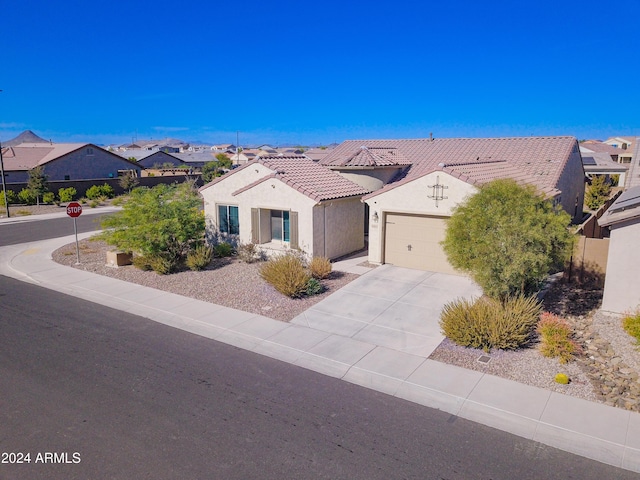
x,y
64,161
161,159
601,163
285,202
417,183
621,285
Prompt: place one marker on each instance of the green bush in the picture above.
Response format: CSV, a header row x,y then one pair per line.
x,y
287,274
223,249
11,197
49,197
562,378
487,323
631,325
556,338
66,194
27,197
320,267
199,257
95,192
314,287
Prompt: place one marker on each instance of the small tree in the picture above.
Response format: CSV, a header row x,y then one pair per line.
x,y
66,194
128,182
165,222
216,168
598,192
508,238
37,182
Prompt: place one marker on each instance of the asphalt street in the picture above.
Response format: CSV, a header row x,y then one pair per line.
x,y
29,229
131,398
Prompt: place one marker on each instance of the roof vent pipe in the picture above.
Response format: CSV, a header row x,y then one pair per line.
x,y
431,136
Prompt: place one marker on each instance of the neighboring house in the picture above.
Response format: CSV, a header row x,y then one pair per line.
x,y
161,159
244,156
224,147
621,286
421,181
600,163
317,154
64,161
596,146
287,202
196,159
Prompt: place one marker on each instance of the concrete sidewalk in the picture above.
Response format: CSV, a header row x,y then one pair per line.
x,y
370,358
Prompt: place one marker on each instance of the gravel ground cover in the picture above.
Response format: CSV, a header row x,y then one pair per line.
x,y
227,281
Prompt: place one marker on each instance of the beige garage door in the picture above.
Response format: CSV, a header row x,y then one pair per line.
x,y
413,241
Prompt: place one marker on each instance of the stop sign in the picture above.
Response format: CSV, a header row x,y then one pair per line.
x,y
74,209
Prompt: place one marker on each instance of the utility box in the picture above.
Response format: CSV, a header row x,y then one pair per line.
x,y
119,259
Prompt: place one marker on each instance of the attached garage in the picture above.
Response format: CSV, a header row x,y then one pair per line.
x,y
413,241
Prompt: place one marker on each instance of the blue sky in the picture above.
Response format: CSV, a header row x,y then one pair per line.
x,y
294,72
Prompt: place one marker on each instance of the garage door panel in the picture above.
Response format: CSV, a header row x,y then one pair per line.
x,y
413,241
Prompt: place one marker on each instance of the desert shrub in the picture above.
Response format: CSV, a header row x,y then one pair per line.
x,y
163,264
223,249
487,323
249,252
314,287
66,194
199,257
11,197
49,197
96,191
94,203
556,338
287,274
320,267
27,196
142,262
631,325
562,378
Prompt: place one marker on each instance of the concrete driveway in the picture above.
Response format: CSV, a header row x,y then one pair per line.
x,y
392,307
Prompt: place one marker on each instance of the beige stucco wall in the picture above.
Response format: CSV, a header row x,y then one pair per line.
x,y
271,194
621,285
412,197
369,178
338,227
342,218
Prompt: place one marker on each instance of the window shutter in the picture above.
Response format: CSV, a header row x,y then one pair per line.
x,y
255,226
293,226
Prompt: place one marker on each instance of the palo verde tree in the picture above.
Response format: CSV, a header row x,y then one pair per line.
x,y
165,221
216,168
508,238
37,182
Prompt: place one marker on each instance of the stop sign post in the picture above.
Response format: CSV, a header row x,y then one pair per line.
x,y
74,210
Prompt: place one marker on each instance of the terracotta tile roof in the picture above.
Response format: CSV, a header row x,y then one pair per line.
x,y
539,158
29,155
313,180
369,157
596,146
302,174
478,173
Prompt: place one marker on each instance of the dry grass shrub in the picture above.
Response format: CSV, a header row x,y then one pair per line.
x,y
287,274
160,264
249,252
320,267
631,325
199,258
556,338
487,323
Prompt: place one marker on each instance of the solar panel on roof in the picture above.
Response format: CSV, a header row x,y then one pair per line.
x,y
589,161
